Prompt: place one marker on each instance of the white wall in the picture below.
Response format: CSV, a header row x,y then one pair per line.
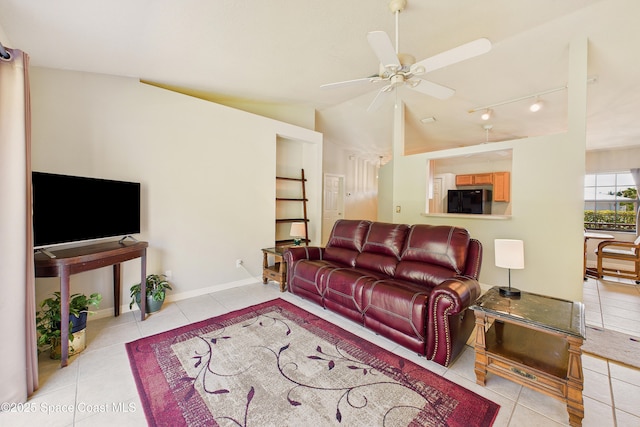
x,y
361,180
207,174
547,191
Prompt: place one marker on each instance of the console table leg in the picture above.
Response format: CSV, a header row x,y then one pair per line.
x,y
116,289
265,265
143,285
64,318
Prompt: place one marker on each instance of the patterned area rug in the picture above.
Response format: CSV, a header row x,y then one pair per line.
x,y
275,364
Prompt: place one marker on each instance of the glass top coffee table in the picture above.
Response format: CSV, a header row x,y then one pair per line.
x,y
533,340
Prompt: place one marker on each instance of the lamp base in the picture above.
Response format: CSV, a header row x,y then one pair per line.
x,y
509,291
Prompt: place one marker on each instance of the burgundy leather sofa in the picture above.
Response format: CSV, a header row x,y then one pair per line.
x,y
411,284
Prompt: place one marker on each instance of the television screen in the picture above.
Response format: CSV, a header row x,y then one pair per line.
x,y
73,208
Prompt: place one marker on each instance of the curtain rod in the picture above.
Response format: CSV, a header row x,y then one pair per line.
x,y
3,52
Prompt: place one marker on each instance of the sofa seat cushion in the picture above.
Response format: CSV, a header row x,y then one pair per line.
x,y
307,275
397,310
343,291
344,285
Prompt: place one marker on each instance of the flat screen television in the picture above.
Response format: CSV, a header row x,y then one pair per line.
x,y
74,209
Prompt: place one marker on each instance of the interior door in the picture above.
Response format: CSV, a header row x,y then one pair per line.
x,y
436,202
332,204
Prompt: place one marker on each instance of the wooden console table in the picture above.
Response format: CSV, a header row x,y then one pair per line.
x,y
535,341
84,258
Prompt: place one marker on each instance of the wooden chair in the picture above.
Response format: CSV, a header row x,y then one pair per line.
x,y
616,250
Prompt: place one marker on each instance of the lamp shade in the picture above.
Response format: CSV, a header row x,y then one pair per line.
x,y
509,253
297,230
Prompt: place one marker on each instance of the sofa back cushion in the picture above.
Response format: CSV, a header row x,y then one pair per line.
x,y
382,247
434,250
346,241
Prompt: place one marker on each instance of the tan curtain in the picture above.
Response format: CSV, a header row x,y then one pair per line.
x,y
19,366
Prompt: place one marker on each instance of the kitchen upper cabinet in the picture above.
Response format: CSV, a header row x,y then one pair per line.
x,y
501,186
501,182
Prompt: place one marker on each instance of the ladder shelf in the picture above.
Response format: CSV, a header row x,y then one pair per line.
x,y
303,200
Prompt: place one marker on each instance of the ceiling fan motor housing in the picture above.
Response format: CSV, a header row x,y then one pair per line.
x,y
396,80
397,5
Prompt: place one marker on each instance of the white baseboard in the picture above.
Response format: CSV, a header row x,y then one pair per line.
x,y
172,297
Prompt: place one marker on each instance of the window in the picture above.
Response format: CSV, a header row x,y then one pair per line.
x,y
610,201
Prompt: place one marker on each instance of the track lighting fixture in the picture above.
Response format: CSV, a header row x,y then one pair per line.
x,y
536,106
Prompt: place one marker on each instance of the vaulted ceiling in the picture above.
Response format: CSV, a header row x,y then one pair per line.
x,y
280,51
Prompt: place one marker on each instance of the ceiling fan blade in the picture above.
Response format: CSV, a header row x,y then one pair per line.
x,y
379,99
354,82
457,54
431,89
383,48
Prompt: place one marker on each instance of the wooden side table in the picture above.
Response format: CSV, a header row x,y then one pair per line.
x,y
535,341
277,271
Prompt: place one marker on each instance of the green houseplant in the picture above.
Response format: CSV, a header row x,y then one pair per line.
x,y
156,287
48,322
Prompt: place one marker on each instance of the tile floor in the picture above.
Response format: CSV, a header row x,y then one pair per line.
x,y
97,387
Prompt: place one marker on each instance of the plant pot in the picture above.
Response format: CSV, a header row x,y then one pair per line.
x,y
152,305
78,344
78,323
77,329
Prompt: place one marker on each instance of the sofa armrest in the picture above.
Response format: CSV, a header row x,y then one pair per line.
x,y
296,253
449,324
460,292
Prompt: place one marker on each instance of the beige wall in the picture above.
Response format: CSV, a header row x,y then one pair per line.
x,y
207,173
547,191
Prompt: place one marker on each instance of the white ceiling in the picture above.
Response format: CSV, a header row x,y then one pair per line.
x,y
282,51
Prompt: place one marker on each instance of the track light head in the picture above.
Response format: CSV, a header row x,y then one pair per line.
x,y
486,115
536,106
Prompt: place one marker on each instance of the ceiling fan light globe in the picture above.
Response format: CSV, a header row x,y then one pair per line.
x,y
406,59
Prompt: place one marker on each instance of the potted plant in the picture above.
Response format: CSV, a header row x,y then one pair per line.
x,y
48,322
156,287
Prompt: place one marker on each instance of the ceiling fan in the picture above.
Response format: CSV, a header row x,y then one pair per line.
x,y
401,69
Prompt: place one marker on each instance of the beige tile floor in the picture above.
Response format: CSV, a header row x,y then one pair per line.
x,y
97,388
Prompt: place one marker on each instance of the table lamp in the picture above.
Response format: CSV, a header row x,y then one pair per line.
x,y
509,254
297,232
